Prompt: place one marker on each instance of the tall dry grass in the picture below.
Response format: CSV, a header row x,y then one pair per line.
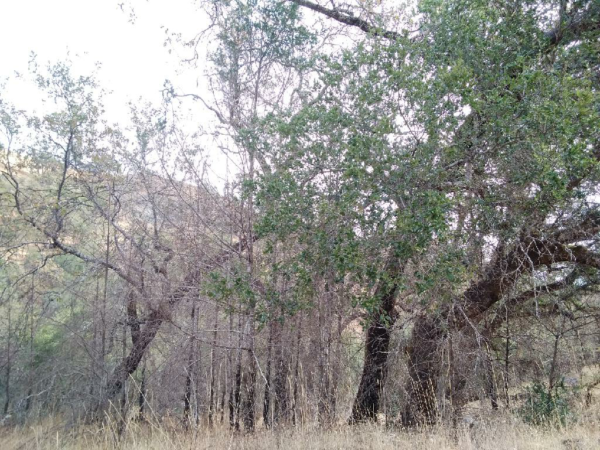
x,y
498,433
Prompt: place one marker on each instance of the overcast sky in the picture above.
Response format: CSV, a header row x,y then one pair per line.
x,y
135,61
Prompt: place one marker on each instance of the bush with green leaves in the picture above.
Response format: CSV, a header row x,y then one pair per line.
x,y
544,406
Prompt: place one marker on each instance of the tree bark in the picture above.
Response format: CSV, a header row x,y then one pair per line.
x,y
187,397
212,399
131,362
492,390
267,397
367,400
280,386
249,405
236,398
529,252
323,373
295,414
423,369
142,396
8,361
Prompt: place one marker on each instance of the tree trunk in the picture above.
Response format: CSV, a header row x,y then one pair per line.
x,y
236,392
492,390
552,377
230,376
141,338
31,345
267,398
250,382
124,390
131,362
500,277
212,400
367,400
8,361
297,371
507,361
223,396
423,368
281,408
142,396
187,397
324,406
337,361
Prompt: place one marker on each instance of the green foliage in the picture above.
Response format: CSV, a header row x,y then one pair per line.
x,y
233,287
544,407
479,116
47,344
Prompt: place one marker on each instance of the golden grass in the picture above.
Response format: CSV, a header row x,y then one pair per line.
x,y
503,432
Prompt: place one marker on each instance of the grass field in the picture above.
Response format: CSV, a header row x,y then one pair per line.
x,y
498,433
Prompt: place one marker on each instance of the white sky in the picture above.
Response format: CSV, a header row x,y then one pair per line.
x,y
135,61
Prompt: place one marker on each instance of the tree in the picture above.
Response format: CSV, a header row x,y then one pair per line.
x,y
444,132
94,180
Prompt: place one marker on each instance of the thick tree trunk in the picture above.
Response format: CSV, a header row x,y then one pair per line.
x,y
132,317
367,401
423,368
429,333
529,252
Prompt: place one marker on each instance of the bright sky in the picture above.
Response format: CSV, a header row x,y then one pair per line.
x,y
135,60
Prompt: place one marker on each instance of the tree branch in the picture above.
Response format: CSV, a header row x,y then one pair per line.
x,y
349,20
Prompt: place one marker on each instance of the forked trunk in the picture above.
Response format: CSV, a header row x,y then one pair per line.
x,y
499,278
131,362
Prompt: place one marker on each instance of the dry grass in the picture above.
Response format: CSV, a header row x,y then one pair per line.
x,y
500,433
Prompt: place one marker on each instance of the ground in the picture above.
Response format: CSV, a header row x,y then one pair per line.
x,y
504,431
